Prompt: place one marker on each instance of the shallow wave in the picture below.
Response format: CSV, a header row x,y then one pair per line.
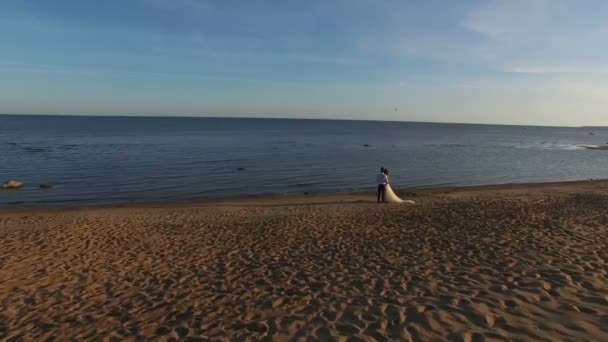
x,y
544,146
547,146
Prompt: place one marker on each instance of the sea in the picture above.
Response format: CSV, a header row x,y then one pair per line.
x,y
105,160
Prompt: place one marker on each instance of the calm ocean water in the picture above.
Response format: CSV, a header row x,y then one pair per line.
x,y
123,159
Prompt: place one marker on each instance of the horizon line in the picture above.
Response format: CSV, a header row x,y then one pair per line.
x,y
184,116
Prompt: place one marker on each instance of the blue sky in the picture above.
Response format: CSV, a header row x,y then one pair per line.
x,y
514,62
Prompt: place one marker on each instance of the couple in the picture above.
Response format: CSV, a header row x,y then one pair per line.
x,y
385,192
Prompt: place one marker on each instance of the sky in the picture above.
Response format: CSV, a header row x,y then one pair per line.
x,y
538,62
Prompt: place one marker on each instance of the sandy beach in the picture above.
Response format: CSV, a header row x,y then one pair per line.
x,y
510,262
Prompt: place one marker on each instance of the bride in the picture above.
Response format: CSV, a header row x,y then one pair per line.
x,y
389,194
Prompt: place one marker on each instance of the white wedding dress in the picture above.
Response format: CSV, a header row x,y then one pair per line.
x,y
391,197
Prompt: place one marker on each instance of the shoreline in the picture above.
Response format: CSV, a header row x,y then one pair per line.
x,y
312,198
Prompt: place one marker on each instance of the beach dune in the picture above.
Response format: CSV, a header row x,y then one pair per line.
x,y
510,262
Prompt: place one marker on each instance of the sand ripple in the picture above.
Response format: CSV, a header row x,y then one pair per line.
x,y
472,268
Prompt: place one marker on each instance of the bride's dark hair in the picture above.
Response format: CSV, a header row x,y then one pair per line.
x,y
386,172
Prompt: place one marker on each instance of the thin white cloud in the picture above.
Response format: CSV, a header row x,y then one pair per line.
x,y
178,5
507,19
541,37
543,70
120,72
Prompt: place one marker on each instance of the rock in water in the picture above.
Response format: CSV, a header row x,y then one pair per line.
x,y
46,185
11,184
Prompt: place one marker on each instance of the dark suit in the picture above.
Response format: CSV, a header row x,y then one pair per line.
x,y
381,188
382,180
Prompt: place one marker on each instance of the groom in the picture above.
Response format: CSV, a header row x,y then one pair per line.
x,y
381,179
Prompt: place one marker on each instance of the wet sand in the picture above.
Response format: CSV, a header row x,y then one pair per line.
x,y
522,262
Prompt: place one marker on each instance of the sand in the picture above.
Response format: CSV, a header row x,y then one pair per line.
x,y
525,262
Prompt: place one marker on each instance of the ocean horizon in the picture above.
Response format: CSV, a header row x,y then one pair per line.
x,y
269,117
121,159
